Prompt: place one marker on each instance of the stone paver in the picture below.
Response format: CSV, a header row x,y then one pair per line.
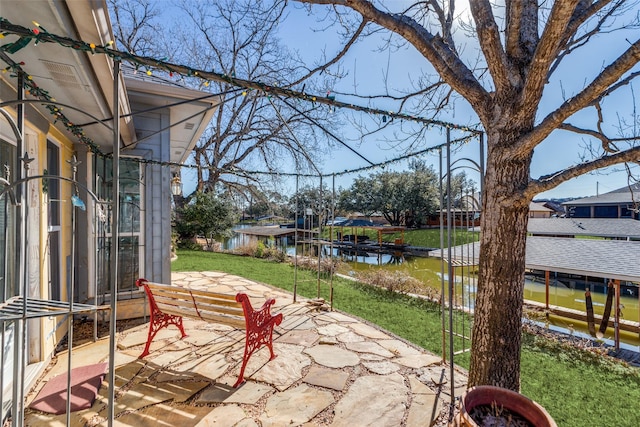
x,y
135,370
297,322
304,338
398,347
334,316
356,408
182,416
332,330
282,371
419,360
350,337
78,419
368,331
249,393
381,367
330,369
332,356
327,378
369,347
168,358
224,416
145,394
211,367
87,354
425,405
295,406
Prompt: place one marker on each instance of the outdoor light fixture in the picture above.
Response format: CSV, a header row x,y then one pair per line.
x,y
176,185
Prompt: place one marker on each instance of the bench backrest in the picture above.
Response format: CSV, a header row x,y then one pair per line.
x,y
197,304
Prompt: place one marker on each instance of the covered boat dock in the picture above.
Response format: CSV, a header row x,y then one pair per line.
x,y
612,260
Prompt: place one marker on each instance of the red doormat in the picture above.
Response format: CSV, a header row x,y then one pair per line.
x,y
85,383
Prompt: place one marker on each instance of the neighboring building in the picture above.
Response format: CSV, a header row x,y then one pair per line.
x,y
539,210
615,229
375,217
621,203
63,251
556,207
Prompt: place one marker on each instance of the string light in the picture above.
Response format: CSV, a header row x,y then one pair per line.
x,y
7,27
41,35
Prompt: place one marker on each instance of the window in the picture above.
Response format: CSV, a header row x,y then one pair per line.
x,y
53,218
129,225
7,225
605,212
580,212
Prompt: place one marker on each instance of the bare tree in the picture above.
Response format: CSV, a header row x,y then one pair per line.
x,y
134,25
251,131
523,44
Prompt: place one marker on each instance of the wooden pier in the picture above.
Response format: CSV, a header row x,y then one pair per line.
x,y
569,313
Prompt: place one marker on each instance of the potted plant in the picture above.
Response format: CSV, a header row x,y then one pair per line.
x,y
495,406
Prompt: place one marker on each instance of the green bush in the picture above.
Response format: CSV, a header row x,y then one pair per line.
x,y
260,248
204,215
395,281
188,244
327,265
274,254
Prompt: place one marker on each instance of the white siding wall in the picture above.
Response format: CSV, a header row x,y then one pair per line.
x,y
157,195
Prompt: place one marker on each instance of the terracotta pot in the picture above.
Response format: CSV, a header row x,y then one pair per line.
x,y
514,402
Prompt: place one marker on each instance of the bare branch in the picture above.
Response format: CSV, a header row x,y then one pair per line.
x,y
606,142
547,50
489,37
514,22
446,19
624,82
134,25
581,15
337,57
433,47
601,85
547,182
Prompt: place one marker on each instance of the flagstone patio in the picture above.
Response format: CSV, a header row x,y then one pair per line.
x,y
332,370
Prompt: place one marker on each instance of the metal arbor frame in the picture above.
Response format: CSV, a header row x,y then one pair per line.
x,y
309,242
450,331
22,308
117,57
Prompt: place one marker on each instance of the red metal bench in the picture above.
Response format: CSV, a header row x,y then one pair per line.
x,y
169,304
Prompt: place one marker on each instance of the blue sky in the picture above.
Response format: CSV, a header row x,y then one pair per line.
x,y
367,70
562,149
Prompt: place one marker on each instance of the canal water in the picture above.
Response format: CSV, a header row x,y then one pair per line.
x,y
428,271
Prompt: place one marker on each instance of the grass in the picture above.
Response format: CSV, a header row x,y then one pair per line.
x,y
576,387
428,237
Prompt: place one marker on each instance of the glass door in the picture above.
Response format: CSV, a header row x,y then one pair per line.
x,y
130,227
53,214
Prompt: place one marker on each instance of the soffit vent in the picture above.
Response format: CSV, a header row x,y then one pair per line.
x,y
189,126
63,74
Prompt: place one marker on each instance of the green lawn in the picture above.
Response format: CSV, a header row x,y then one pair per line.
x,y
428,237
576,388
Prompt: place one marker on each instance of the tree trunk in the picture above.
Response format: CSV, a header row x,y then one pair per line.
x,y
495,359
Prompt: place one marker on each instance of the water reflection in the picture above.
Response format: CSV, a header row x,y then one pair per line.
x,y
567,294
237,239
